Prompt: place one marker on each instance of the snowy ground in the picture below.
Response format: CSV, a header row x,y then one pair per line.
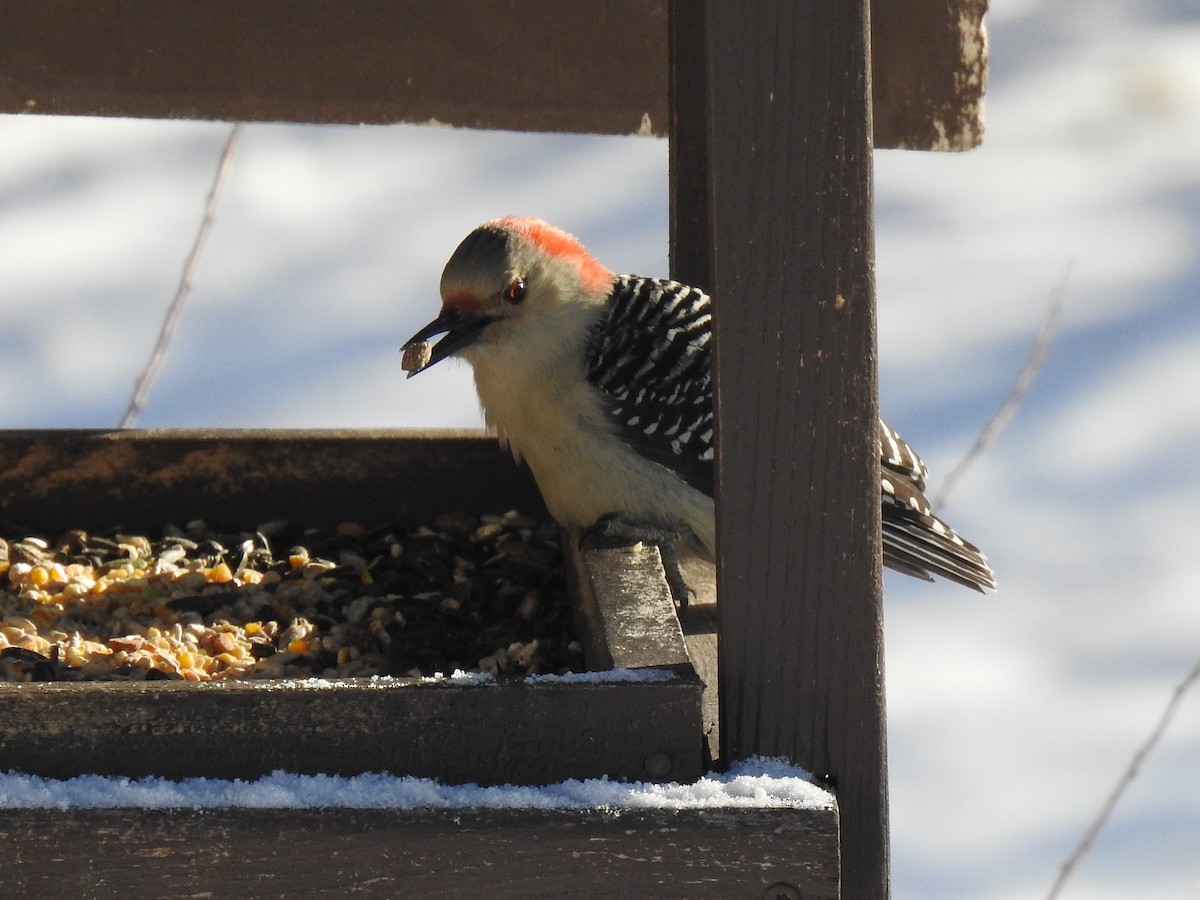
x,y
1010,717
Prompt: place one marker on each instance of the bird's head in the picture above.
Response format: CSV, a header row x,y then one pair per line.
x,y
509,275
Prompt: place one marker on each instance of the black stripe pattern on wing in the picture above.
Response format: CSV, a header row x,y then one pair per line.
x,y
915,541
650,357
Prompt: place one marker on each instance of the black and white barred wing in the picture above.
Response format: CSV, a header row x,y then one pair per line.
x,y
915,541
651,356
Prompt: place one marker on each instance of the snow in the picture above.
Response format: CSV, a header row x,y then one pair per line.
x,y
459,678
606,677
1010,717
758,783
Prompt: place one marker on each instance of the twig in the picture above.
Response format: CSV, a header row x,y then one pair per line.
x,y
1131,772
1000,419
141,391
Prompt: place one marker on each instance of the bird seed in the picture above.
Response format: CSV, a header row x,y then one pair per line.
x,y
461,593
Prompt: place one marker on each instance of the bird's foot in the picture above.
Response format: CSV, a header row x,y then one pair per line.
x,y
613,529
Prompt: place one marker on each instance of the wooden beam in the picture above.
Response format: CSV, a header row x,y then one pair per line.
x,y
625,615
690,187
51,480
691,263
622,599
503,854
507,732
929,73
528,65
798,524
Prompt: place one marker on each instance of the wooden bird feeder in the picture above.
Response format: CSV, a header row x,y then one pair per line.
x,y
772,110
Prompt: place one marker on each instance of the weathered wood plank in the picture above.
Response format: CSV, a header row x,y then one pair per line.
x,y
527,854
92,479
691,263
690,185
535,65
700,622
509,732
528,65
798,523
626,617
625,613
929,73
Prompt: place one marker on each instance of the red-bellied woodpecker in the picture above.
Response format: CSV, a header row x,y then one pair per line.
x,y
601,383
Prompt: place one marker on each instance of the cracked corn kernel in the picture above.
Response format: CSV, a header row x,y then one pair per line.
x,y
185,607
220,574
416,357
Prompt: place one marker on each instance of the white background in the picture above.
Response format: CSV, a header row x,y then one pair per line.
x,y
1011,717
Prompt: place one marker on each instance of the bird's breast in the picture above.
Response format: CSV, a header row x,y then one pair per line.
x,y
561,428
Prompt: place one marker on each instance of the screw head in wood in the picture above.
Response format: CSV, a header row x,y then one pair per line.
x,y
658,765
781,890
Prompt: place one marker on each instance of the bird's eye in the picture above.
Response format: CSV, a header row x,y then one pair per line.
x,y
516,291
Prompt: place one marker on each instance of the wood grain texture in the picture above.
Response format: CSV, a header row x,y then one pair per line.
x,y
508,732
797,467
929,73
690,185
624,611
53,480
626,617
690,254
527,65
501,854
700,622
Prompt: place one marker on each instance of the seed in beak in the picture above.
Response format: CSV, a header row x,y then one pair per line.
x,y
416,357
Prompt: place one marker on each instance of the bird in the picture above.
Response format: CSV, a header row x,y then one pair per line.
x,y
602,384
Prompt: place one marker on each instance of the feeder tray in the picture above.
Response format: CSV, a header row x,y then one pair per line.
x,y
507,730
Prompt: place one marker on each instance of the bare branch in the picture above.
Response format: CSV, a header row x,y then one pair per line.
x,y
1131,772
1025,378
141,391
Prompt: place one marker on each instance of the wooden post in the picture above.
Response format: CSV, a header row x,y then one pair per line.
x,y
797,465
690,189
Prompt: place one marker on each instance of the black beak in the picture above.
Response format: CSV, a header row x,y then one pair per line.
x,y
461,329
